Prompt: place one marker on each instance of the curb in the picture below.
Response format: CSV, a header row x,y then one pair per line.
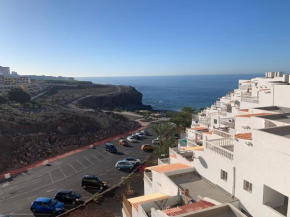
x,y
52,159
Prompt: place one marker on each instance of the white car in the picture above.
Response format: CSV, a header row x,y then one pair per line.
x,y
132,160
155,141
131,139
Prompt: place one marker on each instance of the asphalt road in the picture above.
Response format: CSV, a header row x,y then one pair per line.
x,y
17,195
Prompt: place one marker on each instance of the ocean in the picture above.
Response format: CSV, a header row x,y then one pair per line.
x,y
175,92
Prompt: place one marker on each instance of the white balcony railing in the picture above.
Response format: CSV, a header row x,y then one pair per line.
x,y
221,133
223,142
219,150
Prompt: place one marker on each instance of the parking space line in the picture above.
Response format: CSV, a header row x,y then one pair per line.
x,y
89,161
62,172
102,155
73,168
81,163
95,157
51,177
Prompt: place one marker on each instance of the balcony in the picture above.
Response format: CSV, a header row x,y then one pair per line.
x,y
222,133
184,157
249,98
223,147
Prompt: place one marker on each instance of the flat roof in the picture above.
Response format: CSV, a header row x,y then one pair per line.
x,y
195,148
284,118
278,109
135,201
247,136
225,210
200,187
167,167
252,115
188,208
279,131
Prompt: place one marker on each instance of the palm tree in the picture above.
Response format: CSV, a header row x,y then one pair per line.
x,y
163,131
189,110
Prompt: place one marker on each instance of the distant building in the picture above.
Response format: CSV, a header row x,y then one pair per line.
x,y
4,71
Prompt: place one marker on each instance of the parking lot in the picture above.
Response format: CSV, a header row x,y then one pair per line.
x,y
17,195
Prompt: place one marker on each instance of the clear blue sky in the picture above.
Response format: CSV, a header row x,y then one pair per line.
x,y
144,37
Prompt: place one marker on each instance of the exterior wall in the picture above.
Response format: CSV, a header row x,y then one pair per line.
x,y
265,161
161,183
242,125
281,93
148,188
209,165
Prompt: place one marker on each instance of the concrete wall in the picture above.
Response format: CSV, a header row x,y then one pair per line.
x,y
281,95
209,165
266,161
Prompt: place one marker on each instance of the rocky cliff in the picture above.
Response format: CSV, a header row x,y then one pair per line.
x,y
124,97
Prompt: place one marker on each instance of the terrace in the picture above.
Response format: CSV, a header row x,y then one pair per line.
x,y
279,131
224,147
199,187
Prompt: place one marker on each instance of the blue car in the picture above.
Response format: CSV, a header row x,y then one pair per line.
x,y
111,148
47,205
124,165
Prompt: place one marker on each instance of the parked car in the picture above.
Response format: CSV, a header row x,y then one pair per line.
x,y
93,181
124,165
4,215
132,160
47,205
147,147
155,141
123,142
145,132
131,139
140,135
68,197
111,148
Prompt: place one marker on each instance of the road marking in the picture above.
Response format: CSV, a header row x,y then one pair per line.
x,y
51,190
62,172
95,157
81,163
37,181
51,177
89,161
73,168
102,155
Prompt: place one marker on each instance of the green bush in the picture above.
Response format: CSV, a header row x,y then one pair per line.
x,y
3,100
18,95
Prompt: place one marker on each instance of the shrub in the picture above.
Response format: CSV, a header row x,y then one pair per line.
x,y
18,95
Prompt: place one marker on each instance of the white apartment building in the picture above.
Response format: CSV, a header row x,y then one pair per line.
x,y
236,155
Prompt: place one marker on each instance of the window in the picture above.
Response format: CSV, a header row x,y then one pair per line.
x,y
247,186
224,175
215,121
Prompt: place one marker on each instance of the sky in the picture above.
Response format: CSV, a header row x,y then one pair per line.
x,y
100,38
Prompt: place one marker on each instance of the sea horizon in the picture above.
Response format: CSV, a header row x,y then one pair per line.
x,y
175,92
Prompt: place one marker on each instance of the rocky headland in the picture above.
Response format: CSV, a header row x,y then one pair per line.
x,y
69,117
